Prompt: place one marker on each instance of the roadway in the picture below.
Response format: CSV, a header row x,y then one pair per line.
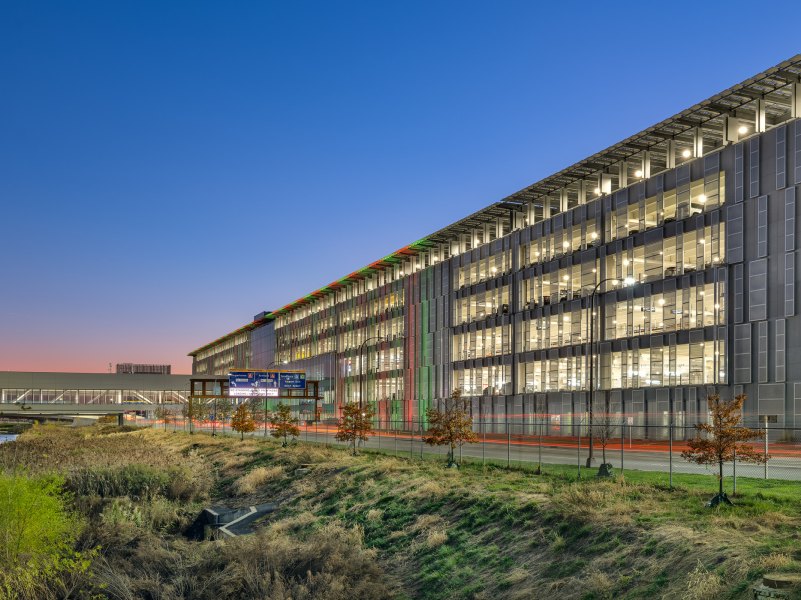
x,y
641,455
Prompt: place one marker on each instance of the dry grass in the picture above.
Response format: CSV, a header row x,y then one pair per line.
x,y
702,584
516,576
428,489
331,563
374,514
599,583
775,561
256,478
435,538
473,533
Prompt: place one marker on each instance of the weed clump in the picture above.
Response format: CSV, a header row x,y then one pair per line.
x,y
256,478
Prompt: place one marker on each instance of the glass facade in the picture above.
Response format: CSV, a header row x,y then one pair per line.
x,y
667,263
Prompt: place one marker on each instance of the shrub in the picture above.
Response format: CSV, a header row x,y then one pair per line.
x,y
33,519
139,482
36,537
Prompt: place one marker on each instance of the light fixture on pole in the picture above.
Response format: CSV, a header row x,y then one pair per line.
x,y
591,391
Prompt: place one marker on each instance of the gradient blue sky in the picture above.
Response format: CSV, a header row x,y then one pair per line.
x,y
169,169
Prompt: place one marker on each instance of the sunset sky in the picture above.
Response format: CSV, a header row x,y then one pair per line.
x,y
170,169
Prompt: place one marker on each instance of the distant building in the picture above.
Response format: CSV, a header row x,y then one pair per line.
x,y
92,388
136,369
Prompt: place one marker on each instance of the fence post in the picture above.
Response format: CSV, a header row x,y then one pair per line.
x,y
766,447
622,444
734,470
483,441
508,444
421,438
539,447
578,450
395,433
670,450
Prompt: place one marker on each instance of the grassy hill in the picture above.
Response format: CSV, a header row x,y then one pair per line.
x,y
375,526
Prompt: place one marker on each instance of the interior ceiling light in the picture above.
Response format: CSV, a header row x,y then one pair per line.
x,y
597,191
742,129
638,173
686,153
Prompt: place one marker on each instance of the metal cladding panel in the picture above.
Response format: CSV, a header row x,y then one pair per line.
x,y
753,173
789,284
762,227
789,219
762,352
739,173
781,157
742,353
780,349
758,290
734,234
771,399
797,153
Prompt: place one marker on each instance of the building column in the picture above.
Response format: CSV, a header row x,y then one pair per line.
x,y
605,183
795,100
670,154
760,124
698,142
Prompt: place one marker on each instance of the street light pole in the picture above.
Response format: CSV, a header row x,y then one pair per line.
x,y
272,364
591,353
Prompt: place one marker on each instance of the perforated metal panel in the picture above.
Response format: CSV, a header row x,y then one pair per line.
x,y
781,157
797,178
753,168
742,353
739,173
789,219
758,290
779,354
762,352
762,227
789,284
738,294
734,233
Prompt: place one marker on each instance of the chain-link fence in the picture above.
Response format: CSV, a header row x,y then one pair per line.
x,y
578,446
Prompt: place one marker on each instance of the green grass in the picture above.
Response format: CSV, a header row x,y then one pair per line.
x,y
492,531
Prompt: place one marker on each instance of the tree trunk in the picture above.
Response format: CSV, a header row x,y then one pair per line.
x,y
720,476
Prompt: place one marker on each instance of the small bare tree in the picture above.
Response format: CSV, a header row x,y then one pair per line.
x,y
258,408
603,430
242,421
356,424
162,413
193,410
284,424
450,424
224,409
722,440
